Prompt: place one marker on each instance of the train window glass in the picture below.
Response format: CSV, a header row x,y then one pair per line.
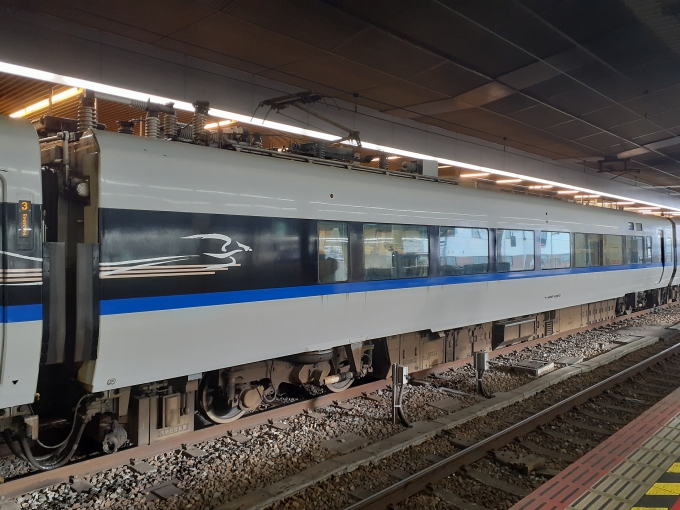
x,y
586,250
638,226
514,250
555,250
395,251
463,250
648,251
612,250
631,225
635,250
333,252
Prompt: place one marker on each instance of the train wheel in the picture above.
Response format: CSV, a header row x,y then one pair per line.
x,y
342,366
340,386
214,405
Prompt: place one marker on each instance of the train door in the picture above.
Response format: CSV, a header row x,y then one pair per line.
x,y
3,273
663,254
669,257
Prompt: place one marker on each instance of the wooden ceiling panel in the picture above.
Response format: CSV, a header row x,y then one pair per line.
x,y
637,128
433,26
401,93
449,79
309,21
109,25
162,17
573,129
611,116
599,141
668,119
510,104
379,50
337,72
212,56
541,116
231,36
367,102
302,83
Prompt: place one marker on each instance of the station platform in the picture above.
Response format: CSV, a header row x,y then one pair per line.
x,y
636,468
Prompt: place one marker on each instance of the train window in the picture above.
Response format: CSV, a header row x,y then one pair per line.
x,y
463,250
635,250
514,250
555,250
395,251
648,251
631,225
638,226
586,250
333,252
612,250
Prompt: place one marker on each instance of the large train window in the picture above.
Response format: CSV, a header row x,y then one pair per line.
x,y
555,250
463,250
395,251
587,250
612,250
333,252
635,250
514,250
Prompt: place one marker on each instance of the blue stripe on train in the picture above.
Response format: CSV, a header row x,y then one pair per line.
x,y
150,304
20,313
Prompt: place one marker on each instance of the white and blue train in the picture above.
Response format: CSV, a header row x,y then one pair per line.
x,y
142,276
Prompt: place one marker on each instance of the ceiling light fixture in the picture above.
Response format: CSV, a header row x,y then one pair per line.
x,y
445,166
508,181
567,192
393,157
482,174
214,125
45,103
247,119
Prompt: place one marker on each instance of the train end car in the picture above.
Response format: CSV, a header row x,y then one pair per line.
x,y
22,333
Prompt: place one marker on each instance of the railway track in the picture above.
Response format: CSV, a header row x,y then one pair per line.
x,y
39,480
424,480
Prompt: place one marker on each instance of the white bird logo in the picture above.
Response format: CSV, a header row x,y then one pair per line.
x,y
226,254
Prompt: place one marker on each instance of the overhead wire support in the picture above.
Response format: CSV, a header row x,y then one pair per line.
x,y
308,98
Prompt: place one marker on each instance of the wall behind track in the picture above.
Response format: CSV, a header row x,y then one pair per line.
x,y
50,44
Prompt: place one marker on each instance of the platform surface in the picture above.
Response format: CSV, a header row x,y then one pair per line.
x,y
636,468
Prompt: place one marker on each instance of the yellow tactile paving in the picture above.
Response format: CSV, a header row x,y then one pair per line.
x,y
664,489
675,468
647,508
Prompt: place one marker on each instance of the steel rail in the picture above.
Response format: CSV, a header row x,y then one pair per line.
x,y
420,481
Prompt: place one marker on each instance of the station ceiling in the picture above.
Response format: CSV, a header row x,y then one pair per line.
x,y
566,79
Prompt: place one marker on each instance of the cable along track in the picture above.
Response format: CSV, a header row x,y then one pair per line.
x,y
424,479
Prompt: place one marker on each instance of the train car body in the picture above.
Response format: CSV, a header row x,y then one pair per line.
x,y
169,213
21,335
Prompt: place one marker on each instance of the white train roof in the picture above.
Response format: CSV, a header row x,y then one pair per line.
x,y
159,175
